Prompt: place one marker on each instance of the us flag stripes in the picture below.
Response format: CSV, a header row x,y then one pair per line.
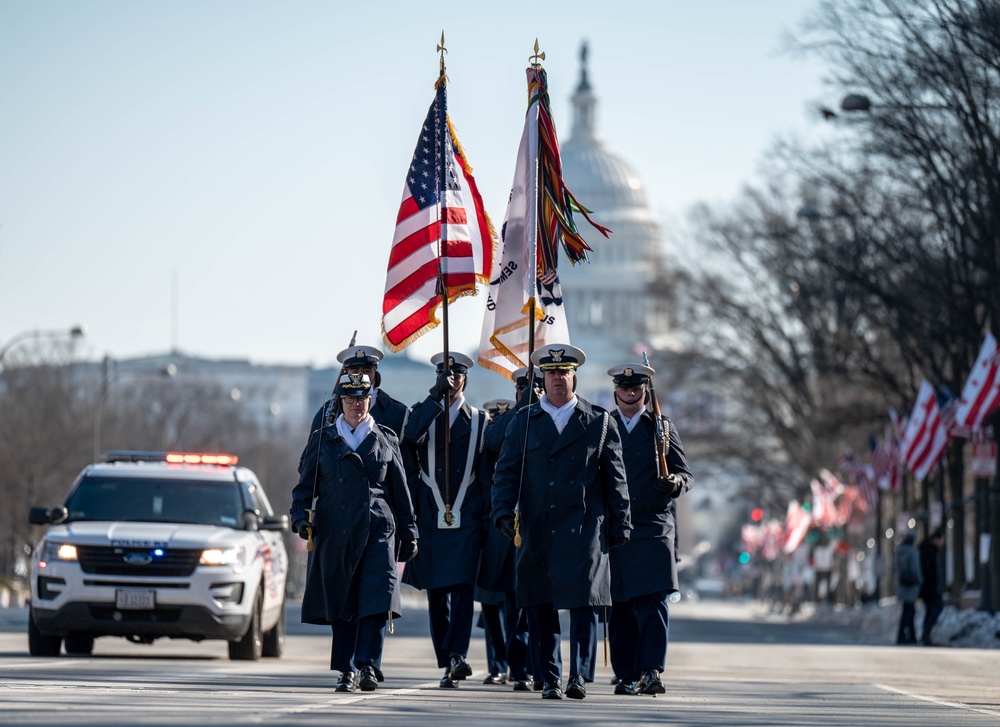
x,y
443,234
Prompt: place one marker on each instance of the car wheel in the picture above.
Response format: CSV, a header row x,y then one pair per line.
x,y
38,643
274,640
77,643
251,645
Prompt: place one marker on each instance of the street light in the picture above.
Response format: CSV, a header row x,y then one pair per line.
x,y
74,332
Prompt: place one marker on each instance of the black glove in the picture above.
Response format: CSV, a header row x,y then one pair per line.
x,y
617,541
670,485
506,525
442,386
407,550
301,528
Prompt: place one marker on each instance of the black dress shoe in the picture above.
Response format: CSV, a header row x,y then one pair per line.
x,y
447,682
368,680
346,682
625,687
538,685
524,685
460,668
552,691
649,683
495,678
576,687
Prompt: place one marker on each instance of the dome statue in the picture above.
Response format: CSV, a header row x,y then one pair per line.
x,y
609,311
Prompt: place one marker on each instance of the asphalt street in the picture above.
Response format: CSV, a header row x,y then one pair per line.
x,y
729,664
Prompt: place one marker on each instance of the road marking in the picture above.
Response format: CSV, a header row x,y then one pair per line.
x,y
934,700
271,714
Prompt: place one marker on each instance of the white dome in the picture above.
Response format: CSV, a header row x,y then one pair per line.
x,y
599,179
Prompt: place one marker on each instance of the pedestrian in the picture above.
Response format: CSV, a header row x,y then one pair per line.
x,y
909,578
930,589
559,491
451,511
353,504
643,571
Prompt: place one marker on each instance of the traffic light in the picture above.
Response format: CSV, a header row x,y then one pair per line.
x,y
756,514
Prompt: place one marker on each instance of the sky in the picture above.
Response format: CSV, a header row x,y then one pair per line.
x,y
223,177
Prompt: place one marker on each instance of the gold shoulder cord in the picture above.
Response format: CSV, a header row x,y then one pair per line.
x,y
517,528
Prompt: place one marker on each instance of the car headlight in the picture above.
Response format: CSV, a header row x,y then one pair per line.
x,y
58,551
222,556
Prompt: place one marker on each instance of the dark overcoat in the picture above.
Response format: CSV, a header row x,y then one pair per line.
x,y
646,563
362,508
446,557
572,497
496,566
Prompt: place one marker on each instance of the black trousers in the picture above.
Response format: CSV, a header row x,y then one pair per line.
x,y
907,631
358,643
933,606
638,633
545,631
450,610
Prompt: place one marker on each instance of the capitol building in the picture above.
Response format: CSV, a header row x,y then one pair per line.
x,y
610,311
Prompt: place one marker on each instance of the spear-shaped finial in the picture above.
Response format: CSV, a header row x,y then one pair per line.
x,y
442,78
537,58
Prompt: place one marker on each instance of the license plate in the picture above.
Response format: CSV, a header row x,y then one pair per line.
x,y
135,600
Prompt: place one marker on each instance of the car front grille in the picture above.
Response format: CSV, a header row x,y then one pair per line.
x,y
113,561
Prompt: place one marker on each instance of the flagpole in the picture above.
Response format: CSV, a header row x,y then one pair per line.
x,y
533,272
439,168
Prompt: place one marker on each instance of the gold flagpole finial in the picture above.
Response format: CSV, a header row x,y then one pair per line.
x,y
442,50
537,58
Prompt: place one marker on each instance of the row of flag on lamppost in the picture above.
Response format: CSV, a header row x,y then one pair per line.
x,y
445,244
917,443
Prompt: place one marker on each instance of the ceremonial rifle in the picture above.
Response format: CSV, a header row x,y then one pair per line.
x,y
661,436
319,442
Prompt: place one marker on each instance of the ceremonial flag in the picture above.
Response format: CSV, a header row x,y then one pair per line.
x,y
443,234
982,391
925,437
797,523
539,219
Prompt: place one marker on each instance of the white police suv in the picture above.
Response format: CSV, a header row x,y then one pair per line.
x,y
155,544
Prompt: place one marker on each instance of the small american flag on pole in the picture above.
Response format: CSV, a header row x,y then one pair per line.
x,y
441,227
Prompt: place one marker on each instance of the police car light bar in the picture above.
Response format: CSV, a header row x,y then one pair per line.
x,y
171,457
197,458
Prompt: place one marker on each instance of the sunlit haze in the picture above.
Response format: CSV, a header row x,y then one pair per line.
x,y
224,176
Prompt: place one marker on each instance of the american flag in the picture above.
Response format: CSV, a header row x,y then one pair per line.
x,y
925,437
982,391
442,228
863,475
886,466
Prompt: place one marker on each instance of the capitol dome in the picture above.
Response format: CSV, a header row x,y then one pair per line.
x,y
609,310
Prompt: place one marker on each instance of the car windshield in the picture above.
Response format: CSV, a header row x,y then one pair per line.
x,y
205,502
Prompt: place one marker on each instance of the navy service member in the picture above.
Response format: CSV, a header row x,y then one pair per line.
x,y
451,519
643,571
352,476
560,487
384,409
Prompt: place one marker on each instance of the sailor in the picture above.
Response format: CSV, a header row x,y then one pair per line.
x,y
559,489
451,510
353,482
384,409
643,571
